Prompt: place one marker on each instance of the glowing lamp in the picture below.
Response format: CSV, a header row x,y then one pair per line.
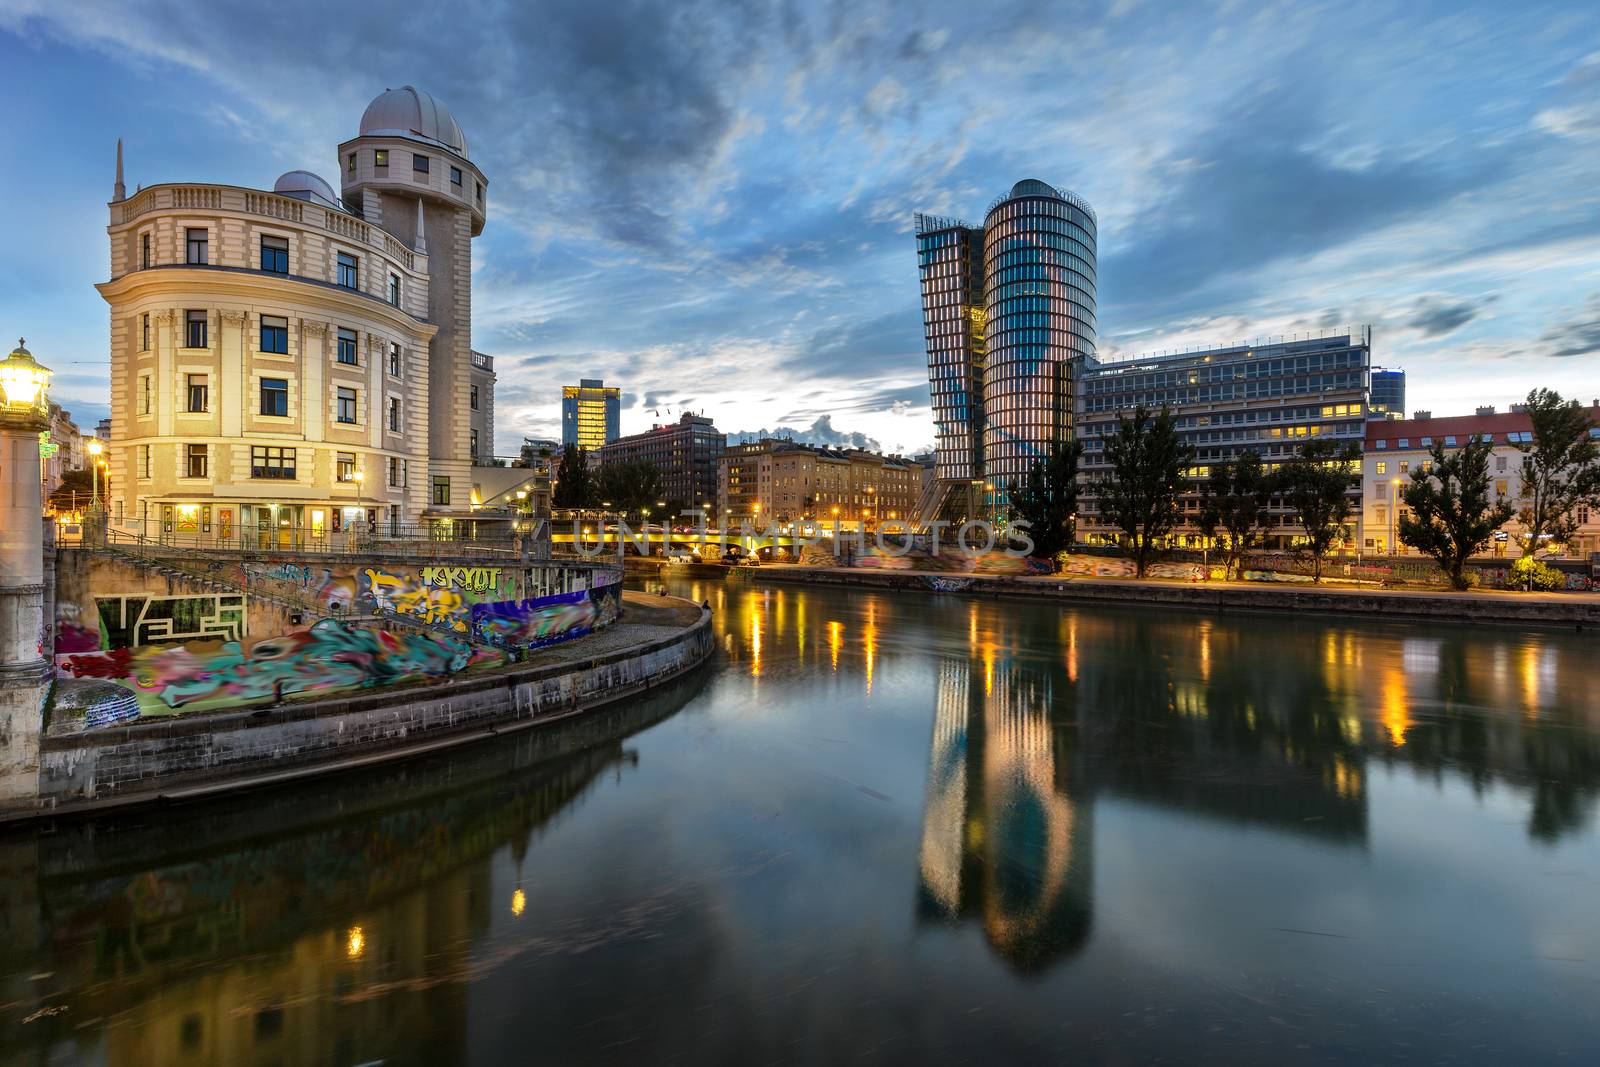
x,y
23,384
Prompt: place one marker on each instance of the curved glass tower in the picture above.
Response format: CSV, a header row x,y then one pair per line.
x,y
1039,270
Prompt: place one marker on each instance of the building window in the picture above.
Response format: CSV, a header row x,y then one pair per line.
x,y
397,472
275,335
474,398
455,176
197,244
144,394
350,163
419,163
394,358
380,157
144,251
270,461
197,461
346,351
441,490
1499,463
1500,487
275,397
394,289
1405,465
275,254
349,271
199,392
473,445
144,461
1383,468
480,193
345,466
394,414
347,405
194,329
144,332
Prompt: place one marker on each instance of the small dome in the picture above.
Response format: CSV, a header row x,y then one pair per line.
x,y
410,112
304,185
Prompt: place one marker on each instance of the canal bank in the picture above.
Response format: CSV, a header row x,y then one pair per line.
x,y
1565,610
190,757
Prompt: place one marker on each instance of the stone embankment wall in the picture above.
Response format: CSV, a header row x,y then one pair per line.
x,y
196,754
1555,609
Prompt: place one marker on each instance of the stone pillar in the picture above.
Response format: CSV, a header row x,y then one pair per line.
x,y
24,671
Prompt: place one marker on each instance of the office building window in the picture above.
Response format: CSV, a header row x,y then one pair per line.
x,y
419,163
275,397
473,398
347,405
345,466
394,358
144,251
275,254
194,329
394,289
346,351
441,490
394,414
198,244
349,271
197,461
275,334
144,332
199,392
455,176
380,157
270,461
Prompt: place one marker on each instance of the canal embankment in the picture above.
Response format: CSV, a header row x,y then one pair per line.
x,y
1563,610
186,757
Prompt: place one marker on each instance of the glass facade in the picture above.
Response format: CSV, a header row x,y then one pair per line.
x,y
950,261
591,414
1388,393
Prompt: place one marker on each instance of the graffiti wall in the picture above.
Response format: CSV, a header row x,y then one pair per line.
x,y
442,597
547,620
326,656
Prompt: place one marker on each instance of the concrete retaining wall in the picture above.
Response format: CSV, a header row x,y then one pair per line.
x,y
154,760
1555,609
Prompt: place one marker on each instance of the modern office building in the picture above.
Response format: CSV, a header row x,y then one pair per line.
x,y
1388,397
289,362
783,481
1266,399
1008,312
591,414
1397,448
686,454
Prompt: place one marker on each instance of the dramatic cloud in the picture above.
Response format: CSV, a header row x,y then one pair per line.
x,y
820,432
1578,337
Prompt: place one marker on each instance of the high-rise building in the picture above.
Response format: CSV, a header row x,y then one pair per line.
x,y
591,414
685,452
1388,397
290,362
1008,312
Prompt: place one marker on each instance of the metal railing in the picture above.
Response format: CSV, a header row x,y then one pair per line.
x,y
459,539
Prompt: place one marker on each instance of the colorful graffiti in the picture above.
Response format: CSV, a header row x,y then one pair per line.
x,y
441,597
547,620
134,619
328,655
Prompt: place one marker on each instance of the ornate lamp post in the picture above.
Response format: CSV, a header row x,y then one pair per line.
x,y
95,448
24,671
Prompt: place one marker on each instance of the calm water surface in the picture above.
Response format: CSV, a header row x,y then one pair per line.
x,y
886,829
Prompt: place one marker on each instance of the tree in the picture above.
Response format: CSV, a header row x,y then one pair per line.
x,y
1560,470
1139,496
1237,493
1048,500
629,486
574,483
1452,514
1316,485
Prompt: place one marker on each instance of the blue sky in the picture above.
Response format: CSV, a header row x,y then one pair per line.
x,y
710,204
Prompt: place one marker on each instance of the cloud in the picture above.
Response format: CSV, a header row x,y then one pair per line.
x,y
1579,336
820,432
1436,316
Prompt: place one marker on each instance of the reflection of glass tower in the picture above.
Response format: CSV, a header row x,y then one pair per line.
x,y
1002,838
1007,308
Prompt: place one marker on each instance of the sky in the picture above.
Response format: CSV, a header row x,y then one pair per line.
x,y
710,204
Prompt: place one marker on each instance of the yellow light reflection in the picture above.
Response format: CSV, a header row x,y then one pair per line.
x,y
755,643
835,639
1396,706
870,639
1205,650
355,943
519,901
1529,670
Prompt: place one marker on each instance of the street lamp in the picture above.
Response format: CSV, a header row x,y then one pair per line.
x,y
23,382
95,448
24,415
1394,518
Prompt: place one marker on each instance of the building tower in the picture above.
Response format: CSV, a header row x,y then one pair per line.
x,y
407,171
1388,395
591,414
1008,314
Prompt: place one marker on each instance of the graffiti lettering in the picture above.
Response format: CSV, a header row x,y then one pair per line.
x,y
128,621
472,579
548,619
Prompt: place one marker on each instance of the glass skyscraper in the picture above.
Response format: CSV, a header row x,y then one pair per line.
x,y
1388,394
1008,310
591,414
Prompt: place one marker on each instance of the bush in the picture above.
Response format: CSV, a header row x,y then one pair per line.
x,y
1529,573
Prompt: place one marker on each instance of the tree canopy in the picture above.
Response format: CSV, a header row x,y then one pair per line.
x,y
1316,485
1560,470
1237,493
1452,512
1139,495
1047,500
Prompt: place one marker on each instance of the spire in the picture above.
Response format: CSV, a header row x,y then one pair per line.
x,y
422,238
119,192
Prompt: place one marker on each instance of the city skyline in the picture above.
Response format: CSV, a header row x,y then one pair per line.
x,y
713,211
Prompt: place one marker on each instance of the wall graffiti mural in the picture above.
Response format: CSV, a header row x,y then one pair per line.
x,y
134,619
327,655
441,597
548,619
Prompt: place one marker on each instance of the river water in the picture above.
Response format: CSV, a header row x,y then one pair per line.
x,y
888,829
